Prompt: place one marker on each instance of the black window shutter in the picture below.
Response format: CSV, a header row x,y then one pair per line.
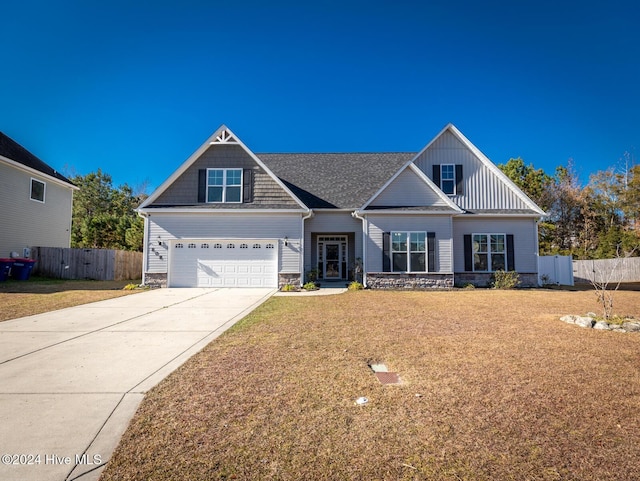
x,y
511,265
202,185
431,251
459,180
436,174
386,260
468,253
247,185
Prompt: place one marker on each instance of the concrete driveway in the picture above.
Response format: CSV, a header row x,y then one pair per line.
x,y
70,380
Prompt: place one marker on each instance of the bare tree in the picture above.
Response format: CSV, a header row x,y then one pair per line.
x,y
602,277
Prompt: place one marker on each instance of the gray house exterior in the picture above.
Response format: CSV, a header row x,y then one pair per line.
x,y
446,215
35,201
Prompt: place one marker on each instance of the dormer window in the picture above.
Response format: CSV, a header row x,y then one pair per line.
x,y
224,185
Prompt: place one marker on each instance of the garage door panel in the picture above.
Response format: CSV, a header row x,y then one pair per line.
x,y
223,264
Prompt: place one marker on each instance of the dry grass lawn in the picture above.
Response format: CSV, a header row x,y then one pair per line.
x,y
494,387
37,295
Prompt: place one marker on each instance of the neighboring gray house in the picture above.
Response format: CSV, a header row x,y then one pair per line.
x,y
35,201
443,216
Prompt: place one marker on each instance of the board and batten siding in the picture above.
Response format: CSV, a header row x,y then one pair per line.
x,y
483,189
379,224
408,190
331,223
26,222
167,227
525,235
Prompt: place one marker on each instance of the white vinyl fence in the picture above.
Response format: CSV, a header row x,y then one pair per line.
x,y
557,270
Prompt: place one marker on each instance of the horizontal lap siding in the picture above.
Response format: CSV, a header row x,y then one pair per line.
x,y
524,239
28,223
441,225
483,189
212,226
331,223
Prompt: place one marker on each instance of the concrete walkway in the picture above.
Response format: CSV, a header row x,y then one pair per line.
x,y
71,380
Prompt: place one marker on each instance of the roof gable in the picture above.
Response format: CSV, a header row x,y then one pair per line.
x,y
409,187
486,187
12,151
221,149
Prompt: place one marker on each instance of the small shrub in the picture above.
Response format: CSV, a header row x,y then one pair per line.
x,y
288,288
310,286
355,286
469,286
130,287
505,279
312,275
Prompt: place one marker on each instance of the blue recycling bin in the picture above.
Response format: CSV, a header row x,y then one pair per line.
x,y
5,267
21,269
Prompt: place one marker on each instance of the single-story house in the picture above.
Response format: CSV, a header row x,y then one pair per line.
x,y
35,202
442,216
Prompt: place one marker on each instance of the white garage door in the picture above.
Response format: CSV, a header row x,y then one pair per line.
x,y
223,263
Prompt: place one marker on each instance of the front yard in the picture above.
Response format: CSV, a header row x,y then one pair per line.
x,y
38,295
494,387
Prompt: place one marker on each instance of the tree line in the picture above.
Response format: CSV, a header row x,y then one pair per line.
x,y
104,216
596,221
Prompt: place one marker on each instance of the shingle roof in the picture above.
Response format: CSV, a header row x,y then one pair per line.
x,y
14,151
339,180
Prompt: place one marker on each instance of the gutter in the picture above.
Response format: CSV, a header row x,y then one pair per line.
x,y
365,235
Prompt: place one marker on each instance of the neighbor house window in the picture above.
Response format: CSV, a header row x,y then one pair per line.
x,y
224,185
408,251
448,178
37,190
489,252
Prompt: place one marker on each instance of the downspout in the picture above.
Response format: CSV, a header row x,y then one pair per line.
x,y
365,236
304,217
145,257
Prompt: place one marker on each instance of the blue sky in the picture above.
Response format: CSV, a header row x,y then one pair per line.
x,y
134,87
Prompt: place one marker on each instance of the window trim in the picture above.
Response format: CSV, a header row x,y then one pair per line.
x,y
454,180
224,186
408,251
489,251
44,190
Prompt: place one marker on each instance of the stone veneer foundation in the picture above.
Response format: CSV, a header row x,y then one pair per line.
x,y
387,280
284,279
154,280
483,279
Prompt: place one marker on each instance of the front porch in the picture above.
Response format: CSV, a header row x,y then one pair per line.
x,y
333,257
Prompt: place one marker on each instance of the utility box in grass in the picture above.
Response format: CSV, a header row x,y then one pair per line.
x,y
21,269
5,267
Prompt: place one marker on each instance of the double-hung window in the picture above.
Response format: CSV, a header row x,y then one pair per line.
x,y
448,178
489,252
224,185
408,251
37,190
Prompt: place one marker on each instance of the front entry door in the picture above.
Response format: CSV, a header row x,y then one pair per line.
x,y
332,261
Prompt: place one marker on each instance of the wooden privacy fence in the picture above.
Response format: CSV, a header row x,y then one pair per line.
x,y
624,269
96,264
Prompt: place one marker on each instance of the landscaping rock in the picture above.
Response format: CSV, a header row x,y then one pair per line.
x,y
569,319
584,321
631,326
602,326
